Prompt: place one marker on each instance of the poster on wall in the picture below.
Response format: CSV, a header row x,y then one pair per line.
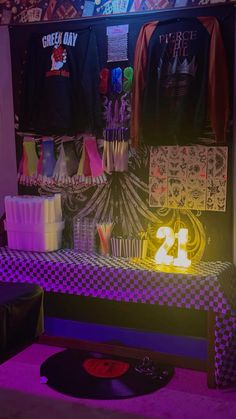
x,y
14,11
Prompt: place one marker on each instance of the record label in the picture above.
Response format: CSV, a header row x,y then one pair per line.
x,y
105,368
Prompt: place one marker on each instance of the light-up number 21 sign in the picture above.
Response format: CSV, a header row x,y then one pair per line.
x,y
162,257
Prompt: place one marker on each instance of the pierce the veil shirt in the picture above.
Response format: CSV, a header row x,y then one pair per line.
x,y
180,78
60,94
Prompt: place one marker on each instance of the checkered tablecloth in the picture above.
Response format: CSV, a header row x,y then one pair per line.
x,y
203,286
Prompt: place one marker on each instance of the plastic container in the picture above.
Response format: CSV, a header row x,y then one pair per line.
x,y
84,234
44,237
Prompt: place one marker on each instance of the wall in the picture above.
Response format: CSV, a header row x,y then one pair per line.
x,y
8,178
210,232
234,150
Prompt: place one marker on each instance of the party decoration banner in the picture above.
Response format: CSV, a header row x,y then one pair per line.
x,y
188,177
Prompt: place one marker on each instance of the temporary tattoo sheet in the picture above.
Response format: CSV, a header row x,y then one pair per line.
x,y
158,192
196,162
177,162
159,162
196,194
188,177
176,193
217,179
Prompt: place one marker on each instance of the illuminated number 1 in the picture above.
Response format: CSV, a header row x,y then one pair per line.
x,y
182,258
168,234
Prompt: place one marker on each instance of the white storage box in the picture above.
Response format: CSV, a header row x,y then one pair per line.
x,y
44,237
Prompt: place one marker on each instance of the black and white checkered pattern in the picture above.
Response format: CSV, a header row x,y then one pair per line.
x,y
225,350
203,286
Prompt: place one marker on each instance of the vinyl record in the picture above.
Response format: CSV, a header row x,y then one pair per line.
x,y
93,375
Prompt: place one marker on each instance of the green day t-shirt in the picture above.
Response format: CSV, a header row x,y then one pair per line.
x,y
61,79
59,41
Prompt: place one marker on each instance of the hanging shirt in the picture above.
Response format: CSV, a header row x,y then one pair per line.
x,y
60,94
180,76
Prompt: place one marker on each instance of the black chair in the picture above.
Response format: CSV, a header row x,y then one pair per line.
x,y
21,316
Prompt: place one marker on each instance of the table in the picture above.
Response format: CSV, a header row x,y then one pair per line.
x,y
207,286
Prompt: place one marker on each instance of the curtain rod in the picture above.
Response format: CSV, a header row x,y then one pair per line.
x,y
122,15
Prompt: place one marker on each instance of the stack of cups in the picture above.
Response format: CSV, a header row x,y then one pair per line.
x,y
34,223
129,248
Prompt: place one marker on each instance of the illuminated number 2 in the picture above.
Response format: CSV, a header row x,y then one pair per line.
x,y
168,234
161,255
